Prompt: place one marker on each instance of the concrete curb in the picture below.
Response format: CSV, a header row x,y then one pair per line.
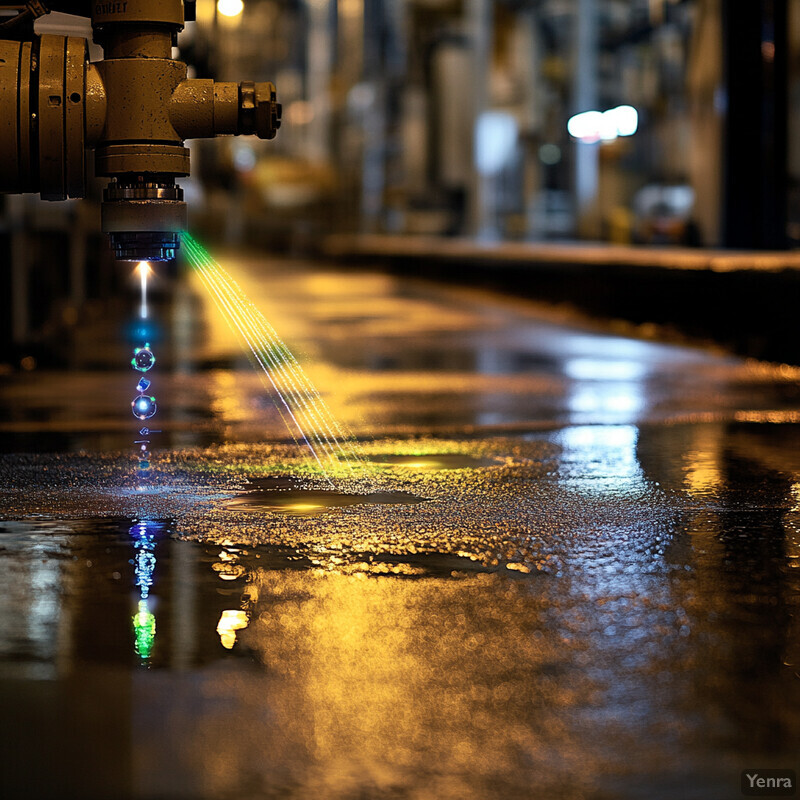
x,y
746,301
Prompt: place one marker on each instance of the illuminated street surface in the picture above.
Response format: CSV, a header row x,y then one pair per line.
x,y
571,570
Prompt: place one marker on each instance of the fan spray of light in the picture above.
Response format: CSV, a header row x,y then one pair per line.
x,y
144,404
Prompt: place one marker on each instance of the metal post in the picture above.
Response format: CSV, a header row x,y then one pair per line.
x,y
481,26
319,65
755,160
584,98
20,309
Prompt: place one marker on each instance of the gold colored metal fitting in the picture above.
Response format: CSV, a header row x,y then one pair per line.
x,y
259,111
51,100
135,107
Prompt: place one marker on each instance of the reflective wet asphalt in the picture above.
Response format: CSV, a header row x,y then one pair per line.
x,y
567,569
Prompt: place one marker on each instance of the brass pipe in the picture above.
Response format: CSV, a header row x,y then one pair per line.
x,y
135,108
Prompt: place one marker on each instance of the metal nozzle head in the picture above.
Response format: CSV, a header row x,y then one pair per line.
x,y
144,246
143,219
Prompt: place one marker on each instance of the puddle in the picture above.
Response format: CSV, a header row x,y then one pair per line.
x,y
236,563
435,461
140,587
283,496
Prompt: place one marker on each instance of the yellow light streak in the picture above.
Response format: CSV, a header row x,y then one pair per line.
x,y
285,369
239,322
299,399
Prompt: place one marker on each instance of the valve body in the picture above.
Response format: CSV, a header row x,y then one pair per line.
x,y
135,108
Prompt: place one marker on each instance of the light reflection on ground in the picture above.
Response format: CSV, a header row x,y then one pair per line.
x,y
596,598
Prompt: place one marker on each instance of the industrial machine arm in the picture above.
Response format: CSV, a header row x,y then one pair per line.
x,y
135,108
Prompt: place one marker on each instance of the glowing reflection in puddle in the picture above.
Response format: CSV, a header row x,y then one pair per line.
x,y
360,564
601,458
231,621
431,461
311,502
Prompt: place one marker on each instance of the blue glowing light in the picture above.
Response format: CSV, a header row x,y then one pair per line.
x,y
143,330
143,358
144,534
144,406
145,561
144,565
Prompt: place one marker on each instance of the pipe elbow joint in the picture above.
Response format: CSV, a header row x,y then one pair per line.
x,y
201,108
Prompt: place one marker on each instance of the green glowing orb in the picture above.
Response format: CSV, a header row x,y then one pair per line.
x,y
144,628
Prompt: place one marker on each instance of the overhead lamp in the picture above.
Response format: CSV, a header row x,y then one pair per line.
x,y
230,8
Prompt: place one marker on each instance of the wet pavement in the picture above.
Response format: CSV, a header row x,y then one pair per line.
x,y
567,568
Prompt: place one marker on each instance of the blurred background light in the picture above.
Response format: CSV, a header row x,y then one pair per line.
x,y
495,141
593,126
626,120
585,126
230,8
550,154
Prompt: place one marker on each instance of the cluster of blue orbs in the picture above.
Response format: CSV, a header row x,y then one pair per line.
x,y
143,405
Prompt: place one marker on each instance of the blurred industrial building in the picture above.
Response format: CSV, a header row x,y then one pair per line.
x,y
460,118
